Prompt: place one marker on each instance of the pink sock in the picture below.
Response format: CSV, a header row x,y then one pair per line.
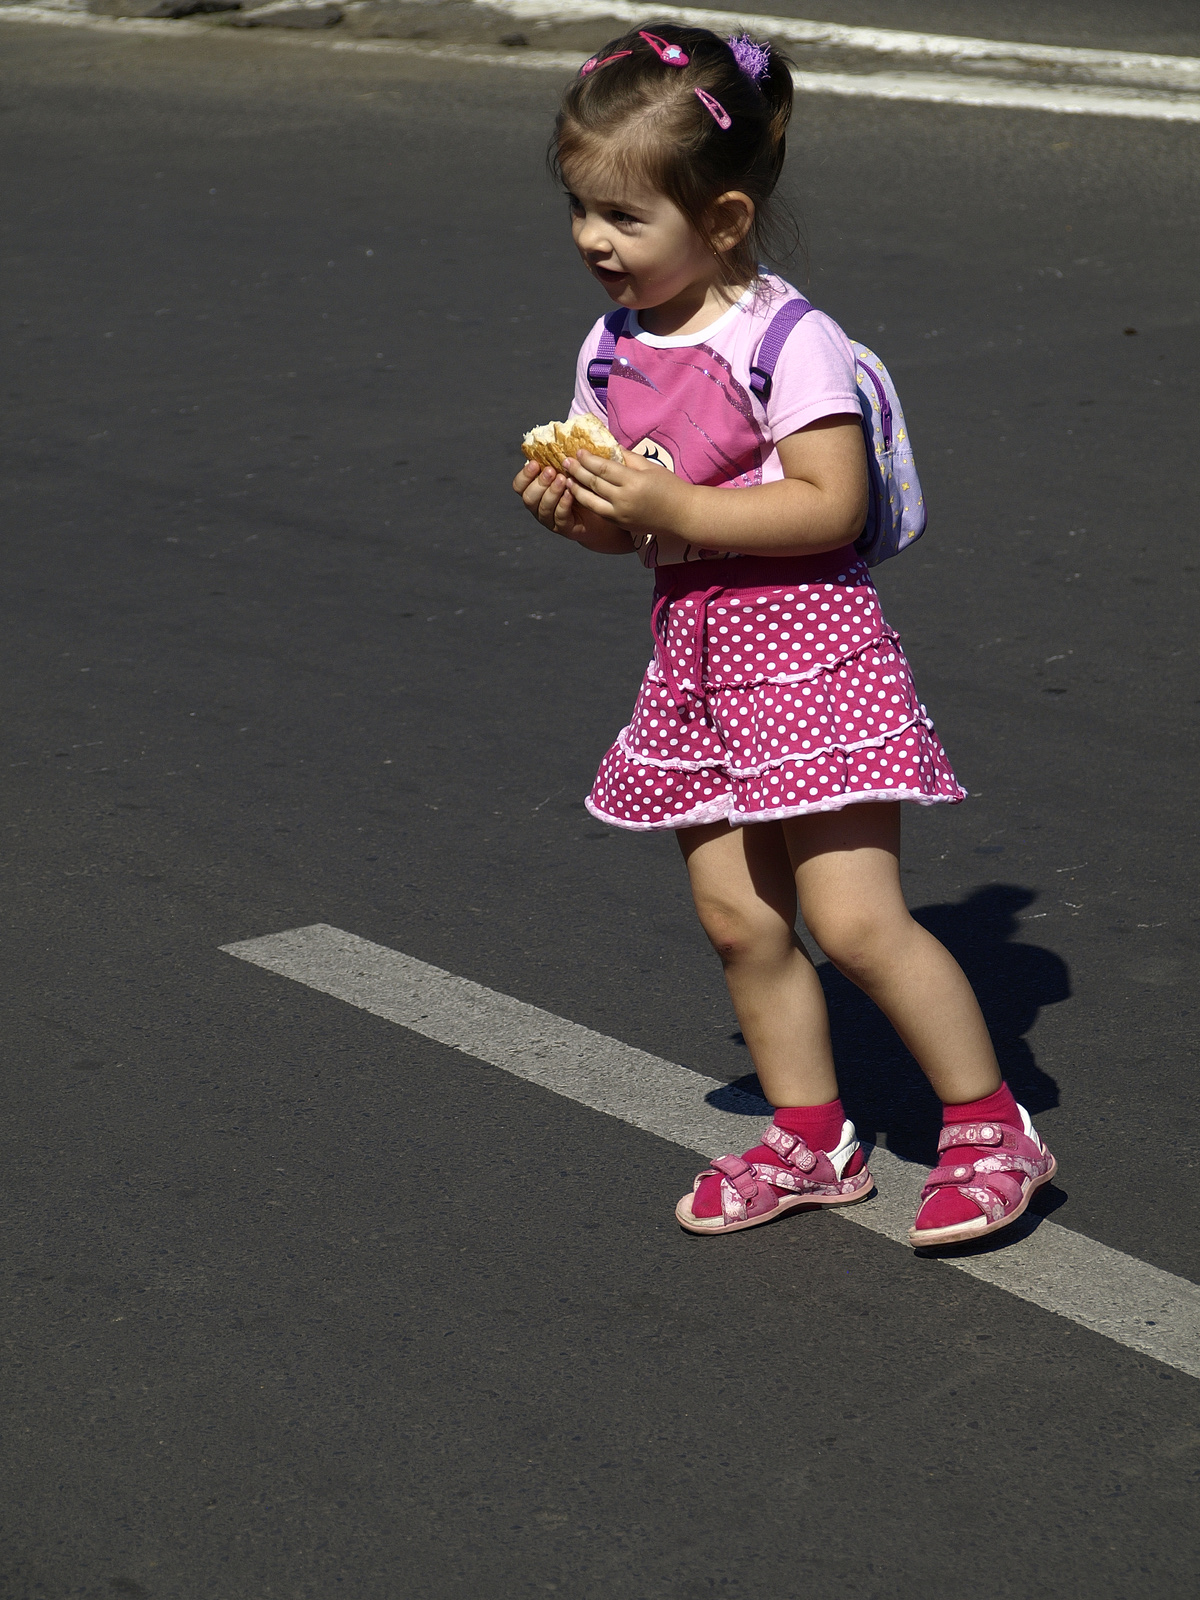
x,y
997,1107
819,1126
947,1207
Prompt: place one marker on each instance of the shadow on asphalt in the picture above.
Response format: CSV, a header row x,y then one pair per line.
x,y
884,1089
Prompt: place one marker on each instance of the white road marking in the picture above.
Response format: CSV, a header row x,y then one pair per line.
x,y
1158,71
1127,1300
1010,94
1107,83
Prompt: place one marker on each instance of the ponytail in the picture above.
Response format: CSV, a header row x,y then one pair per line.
x,y
779,92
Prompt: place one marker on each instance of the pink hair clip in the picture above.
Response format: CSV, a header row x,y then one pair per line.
x,y
715,109
593,62
669,54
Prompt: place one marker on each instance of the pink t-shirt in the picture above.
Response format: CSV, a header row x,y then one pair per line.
x,y
684,400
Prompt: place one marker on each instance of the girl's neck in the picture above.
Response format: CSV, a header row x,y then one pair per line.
x,y
696,308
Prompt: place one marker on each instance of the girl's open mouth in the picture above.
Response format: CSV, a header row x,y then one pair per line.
x,y
606,276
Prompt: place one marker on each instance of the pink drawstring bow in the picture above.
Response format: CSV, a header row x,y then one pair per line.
x,y
687,692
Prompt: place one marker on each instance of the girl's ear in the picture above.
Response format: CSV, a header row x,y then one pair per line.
x,y
730,220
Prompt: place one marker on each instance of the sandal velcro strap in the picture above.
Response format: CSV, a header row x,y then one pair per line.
x,y
1007,1185
789,1178
997,1177
992,1204
1009,1163
742,1195
955,1134
944,1177
739,1174
815,1164
790,1146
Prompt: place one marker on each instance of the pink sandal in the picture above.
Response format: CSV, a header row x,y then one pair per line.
x,y
1000,1184
749,1190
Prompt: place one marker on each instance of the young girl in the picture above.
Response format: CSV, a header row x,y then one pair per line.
x,y
777,728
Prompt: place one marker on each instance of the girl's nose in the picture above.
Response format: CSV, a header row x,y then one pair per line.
x,y
592,238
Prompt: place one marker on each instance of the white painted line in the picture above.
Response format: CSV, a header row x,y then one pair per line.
x,y
1009,93
1145,93
1137,1305
83,19
1165,72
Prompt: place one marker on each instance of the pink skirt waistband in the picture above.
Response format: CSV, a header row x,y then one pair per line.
x,y
753,572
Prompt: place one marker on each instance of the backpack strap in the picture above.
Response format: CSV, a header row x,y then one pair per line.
x,y
600,365
781,324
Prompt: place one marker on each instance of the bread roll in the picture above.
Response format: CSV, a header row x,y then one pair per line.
x,y
553,442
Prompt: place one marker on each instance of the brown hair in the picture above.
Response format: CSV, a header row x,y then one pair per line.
x,y
638,117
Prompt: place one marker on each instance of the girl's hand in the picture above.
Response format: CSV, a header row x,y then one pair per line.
x,y
634,493
548,496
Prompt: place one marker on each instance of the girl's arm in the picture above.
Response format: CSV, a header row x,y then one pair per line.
x,y
547,494
821,504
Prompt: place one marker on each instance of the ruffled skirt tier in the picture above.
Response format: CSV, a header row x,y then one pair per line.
x,y
771,700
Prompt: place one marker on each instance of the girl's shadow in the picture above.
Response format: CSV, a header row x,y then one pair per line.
x,y
884,1089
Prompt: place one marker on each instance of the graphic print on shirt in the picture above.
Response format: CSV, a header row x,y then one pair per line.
x,y
653,451
685,403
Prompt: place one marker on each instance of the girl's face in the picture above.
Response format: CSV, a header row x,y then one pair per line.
x,y
640,245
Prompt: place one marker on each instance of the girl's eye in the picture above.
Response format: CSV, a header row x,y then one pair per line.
x,y
622,217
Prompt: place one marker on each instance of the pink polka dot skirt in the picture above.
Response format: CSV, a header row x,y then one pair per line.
x,y
771,701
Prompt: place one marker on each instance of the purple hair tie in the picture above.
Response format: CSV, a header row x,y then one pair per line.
x,y
669,54
715,109
593,62
754,59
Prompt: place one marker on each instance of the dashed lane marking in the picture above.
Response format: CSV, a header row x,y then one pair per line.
x,y
1127,1300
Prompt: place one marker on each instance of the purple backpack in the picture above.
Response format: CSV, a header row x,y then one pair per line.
x,y
896,513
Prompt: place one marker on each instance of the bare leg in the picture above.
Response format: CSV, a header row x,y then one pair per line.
x,y
847,871
745,894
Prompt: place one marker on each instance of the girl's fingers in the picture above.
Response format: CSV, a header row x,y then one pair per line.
x,y
544,499
580,473
526,476
593,502
555,510
564,514
530,474
604,470
532,497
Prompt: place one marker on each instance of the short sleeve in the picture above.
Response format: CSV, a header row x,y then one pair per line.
x,y
585,396
814,377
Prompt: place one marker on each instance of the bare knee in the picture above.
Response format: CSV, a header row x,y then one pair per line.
x,y
862,944
743,934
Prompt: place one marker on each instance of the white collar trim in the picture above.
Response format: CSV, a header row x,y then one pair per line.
x,y
670,341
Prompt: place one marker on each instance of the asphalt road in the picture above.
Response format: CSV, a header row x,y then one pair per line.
x,y
305,1304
